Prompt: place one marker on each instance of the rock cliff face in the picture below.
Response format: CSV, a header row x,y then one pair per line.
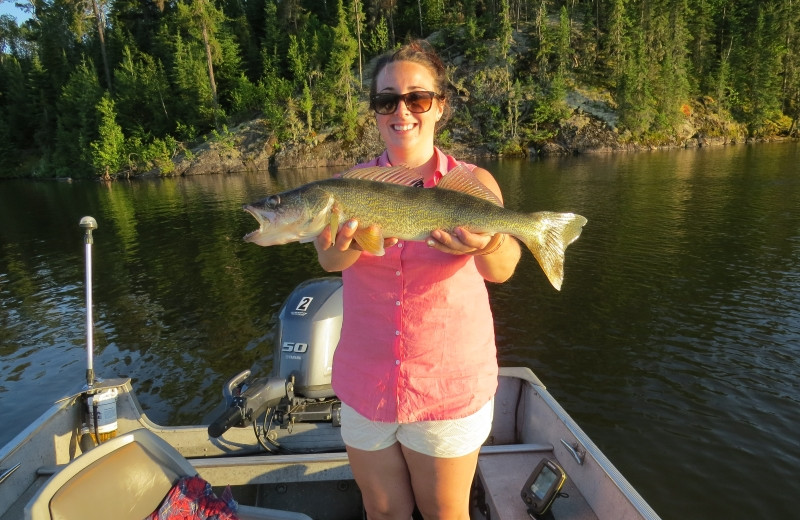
x,y
590,129
252,147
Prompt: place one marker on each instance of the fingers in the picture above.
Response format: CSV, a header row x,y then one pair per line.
x,y
459,242
344,238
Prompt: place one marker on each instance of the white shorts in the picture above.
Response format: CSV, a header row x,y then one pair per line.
x,y
445,439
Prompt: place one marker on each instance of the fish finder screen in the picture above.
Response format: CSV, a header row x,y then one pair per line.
x,y
543,482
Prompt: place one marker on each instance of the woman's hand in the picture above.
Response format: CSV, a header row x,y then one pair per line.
x,y
461,242
496,256
334,253
343,251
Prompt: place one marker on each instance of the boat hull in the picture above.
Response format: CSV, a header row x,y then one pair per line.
x,y
528,425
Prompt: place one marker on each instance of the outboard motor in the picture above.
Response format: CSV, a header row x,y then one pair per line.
x,y
299,388
309,325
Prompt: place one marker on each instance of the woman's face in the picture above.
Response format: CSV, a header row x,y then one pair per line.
x,y
404,132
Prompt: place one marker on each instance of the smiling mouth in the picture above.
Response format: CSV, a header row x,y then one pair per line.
x,y
403,128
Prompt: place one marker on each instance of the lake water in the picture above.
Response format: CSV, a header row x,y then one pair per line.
x,y
674,342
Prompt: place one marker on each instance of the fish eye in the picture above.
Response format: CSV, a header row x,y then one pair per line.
x,y
274,201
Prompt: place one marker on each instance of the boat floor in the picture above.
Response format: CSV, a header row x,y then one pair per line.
x,y
502,475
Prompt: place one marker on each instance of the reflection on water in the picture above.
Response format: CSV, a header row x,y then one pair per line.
x,y
674,341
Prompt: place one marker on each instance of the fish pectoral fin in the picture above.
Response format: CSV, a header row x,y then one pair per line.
x,y
370,239
334,224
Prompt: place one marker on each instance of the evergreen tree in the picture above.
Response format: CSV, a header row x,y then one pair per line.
x,y
562,50
790,88
77,121
341,97
758,64
358,17
201,21
108,150
634,94
12,92
617,40
670,80
16,129
142,95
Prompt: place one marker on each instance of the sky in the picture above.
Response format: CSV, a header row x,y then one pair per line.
x,y
7,7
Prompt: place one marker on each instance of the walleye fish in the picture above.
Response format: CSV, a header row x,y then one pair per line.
x,y
388,202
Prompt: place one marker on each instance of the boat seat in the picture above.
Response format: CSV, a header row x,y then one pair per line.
x,y
124,478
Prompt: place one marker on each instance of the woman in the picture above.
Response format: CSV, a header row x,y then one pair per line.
x,y
416,365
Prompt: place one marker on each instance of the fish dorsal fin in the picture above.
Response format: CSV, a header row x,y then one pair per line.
x,y
463,179
402,175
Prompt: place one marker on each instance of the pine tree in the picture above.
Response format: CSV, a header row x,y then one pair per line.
x,y
201,20
790,89
758,67
142,95
108,150
340,78
77,120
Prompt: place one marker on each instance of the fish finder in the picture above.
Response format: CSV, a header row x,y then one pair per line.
x,y
543,486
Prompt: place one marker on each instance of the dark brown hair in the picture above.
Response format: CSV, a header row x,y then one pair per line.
x,y
421,52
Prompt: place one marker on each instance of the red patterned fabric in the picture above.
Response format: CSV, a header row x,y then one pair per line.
x,y
191,498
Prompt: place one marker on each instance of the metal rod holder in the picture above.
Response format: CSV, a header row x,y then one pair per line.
x,y
89,224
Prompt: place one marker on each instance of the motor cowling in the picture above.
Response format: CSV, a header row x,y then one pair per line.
x,y
310,322
299,387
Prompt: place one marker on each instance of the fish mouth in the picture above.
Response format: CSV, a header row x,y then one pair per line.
x,y
262,223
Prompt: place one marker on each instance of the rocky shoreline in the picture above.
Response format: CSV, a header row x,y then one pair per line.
x,y
591,128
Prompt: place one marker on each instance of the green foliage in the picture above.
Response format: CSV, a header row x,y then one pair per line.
x,y
758,103
181,69
154,155
469,38
15,123
108,150
339,78
378,37
142,94
77,121
444,138
225,138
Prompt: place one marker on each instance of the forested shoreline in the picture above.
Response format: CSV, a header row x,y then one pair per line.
x,y
101,88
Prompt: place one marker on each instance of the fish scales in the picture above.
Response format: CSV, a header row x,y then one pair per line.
x,y
385,209
412,213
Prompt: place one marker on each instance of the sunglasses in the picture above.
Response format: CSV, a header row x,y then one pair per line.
x,y
418,101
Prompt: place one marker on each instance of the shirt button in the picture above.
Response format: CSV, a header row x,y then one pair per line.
x,y
397,333
397,303
399,244
397,273
396,361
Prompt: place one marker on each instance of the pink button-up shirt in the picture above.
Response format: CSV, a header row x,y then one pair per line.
x,y
417,340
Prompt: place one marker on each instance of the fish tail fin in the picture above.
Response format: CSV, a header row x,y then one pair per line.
x,y
552,234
